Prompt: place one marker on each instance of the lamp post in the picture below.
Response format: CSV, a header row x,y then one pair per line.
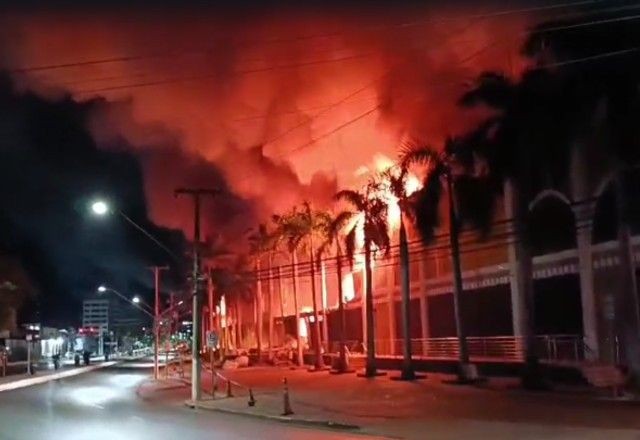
x,y
101,208
137,302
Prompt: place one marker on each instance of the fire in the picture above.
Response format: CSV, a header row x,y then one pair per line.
x,y
412,184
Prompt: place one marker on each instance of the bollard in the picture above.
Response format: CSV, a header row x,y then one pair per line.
x,y
229,394
287,403
252,401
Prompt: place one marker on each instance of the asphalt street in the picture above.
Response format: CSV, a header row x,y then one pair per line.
x,y
104,405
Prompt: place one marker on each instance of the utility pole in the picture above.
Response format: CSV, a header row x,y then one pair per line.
x,y
196,366
156,324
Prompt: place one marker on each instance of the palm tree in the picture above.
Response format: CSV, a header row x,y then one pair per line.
x,y
438,179
261,244
525,143
232,281
372,210
285,232
304,228
397,184
332,234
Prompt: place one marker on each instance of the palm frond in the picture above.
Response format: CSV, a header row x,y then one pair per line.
x,y
350,244
355,198
426,203
492,89
417,154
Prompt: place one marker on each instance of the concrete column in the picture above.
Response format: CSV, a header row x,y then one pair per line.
x,y
518,301
584,210
424,310
584,226
363,308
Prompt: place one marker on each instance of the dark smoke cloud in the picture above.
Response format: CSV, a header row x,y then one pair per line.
x,y
50,169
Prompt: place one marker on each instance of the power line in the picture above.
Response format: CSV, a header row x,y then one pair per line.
x,y
216,75
137,57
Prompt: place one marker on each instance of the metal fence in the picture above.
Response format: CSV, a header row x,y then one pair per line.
x,y
556,348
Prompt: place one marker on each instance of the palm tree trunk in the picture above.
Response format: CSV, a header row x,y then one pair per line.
x,y
294,265
408,372
238,324
532,377
463,352
627,319
342,362
280,296
258,311
319,361
270,305
370,368
323,292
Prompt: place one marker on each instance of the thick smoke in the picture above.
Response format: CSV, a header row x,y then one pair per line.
x,y
225,83
274,108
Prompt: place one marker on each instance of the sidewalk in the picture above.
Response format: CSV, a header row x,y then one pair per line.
x,y
16,381
411,409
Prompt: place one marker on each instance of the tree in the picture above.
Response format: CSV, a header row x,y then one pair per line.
x,y
445,173
371,210
332,233
262,243
15,289
526,145
397,184
303,230
285,232
233,282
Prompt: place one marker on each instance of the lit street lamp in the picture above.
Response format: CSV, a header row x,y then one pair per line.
x,y
101,208
134,302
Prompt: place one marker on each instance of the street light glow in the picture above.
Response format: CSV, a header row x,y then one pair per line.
x,y
136,299
102,289
99,207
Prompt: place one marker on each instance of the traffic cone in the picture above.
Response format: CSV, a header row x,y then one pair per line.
x,y
252,401
287,403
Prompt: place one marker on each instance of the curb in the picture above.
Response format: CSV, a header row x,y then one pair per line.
x,y
30,381
280,419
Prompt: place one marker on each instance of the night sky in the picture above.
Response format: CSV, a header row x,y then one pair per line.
x,y
50,170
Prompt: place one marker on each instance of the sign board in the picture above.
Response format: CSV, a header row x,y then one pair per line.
x,y
29,337
212,339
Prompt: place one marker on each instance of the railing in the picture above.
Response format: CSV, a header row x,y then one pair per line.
x,y
555,348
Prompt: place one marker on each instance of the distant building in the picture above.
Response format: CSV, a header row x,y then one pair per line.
x,y
95,313
113,317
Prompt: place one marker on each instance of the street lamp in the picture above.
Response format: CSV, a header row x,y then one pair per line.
x,y
101,208
133,302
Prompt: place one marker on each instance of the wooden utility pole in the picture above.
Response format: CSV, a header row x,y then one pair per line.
x,y
196,367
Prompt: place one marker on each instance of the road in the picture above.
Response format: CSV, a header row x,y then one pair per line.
x,y
104,405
